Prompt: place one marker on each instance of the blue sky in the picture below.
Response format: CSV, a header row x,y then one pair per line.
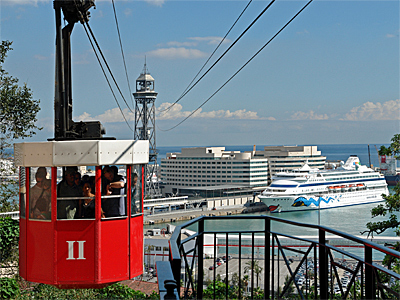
x,y
331,77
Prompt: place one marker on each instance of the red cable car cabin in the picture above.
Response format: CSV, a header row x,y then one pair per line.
x,y
73,240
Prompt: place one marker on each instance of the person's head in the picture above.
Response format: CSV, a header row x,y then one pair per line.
x,y
70,175
40,176
108,173
134,179
86,188
77,178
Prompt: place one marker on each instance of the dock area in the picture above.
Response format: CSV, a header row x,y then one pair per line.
x,y
184,215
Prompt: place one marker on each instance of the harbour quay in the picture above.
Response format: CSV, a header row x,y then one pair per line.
x,y
182,208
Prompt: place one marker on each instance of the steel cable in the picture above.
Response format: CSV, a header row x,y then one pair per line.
x,y
241,68
226,51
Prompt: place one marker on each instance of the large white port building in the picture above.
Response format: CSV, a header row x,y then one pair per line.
x,y
201,168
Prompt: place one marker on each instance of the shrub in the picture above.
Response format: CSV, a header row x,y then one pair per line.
x,y
9,288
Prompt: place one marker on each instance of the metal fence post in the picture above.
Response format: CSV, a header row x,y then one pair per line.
x,y
323,265
267,258
369,274
175,259
200,271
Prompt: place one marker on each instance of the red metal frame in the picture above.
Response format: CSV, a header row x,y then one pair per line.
x,y
82,253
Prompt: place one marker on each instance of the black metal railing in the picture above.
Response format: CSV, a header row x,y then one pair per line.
x,y
269,261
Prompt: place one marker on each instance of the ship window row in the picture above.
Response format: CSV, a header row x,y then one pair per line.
x,y
300,156
195,172
195,167
213,167
177,162
252,184
211,176
353,177
294,164
202,176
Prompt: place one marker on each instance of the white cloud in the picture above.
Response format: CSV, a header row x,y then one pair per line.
x,y
181,44
389,110
175,112
158,3
40,57
84,117
211,40
305,31
109,116
311,115
24,2
175,53
128,12
195,41
368,111
393,35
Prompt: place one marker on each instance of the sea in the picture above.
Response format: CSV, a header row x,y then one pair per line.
x,y
351,219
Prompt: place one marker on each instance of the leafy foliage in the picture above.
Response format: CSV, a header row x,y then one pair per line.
x,y
392,202
119,291
9,288
44,291
8,195
393,149
390,208
18,112
383,150
18,109
115,291
219,288
9,233
254,267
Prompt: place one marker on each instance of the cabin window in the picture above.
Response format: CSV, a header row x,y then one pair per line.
x,y
40,193
113,192
70,196
22,192
137,189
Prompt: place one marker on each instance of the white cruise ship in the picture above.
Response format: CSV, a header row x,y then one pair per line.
x,y
307,188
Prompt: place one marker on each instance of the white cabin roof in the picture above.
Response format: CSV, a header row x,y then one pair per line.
x,y
81,153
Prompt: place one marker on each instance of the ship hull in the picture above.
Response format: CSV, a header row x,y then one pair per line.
x,y
288,203
392,180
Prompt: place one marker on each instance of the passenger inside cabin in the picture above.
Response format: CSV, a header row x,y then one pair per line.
x,y
88,202
40,196
67,208
113,184
134,195
78,179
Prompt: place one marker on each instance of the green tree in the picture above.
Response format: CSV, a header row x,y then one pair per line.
x,y
254,267
393,149
18,111
9,234
219,289
390,209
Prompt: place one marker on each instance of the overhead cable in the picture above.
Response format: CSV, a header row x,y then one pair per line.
x,y
193,112
108,68
105,75
201,69
226,51
122,52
